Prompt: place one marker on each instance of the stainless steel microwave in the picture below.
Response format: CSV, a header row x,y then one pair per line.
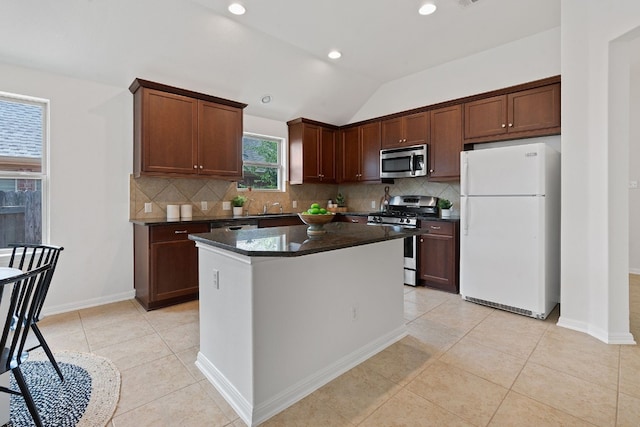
x,y
405,162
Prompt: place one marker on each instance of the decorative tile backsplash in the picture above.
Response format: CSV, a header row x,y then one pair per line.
x,y
161,192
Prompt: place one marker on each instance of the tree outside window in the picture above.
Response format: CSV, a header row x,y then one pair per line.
x,y
262,163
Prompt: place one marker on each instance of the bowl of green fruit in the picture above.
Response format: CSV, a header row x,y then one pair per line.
x,y
316,217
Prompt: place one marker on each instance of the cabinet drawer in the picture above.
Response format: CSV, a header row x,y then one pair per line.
x,y
355,219
437,227
166,233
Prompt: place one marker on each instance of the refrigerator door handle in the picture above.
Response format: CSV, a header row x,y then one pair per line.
x,y
465,217
465,174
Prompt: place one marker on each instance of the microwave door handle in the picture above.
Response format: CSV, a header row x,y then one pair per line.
x,y
412,165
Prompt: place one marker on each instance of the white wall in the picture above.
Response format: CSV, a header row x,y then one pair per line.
x,y
90,162
524,60
595,140
634,172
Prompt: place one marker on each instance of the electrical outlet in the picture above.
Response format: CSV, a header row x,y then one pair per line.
x,y
373,204
204,206
633,184
226,206
148,208
294,204
216,279
354,313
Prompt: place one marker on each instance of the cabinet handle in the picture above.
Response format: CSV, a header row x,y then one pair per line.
x,y
504,126
201,167
355,221
430,170
421,240
195,166
434,227
400,140
510,125
180,232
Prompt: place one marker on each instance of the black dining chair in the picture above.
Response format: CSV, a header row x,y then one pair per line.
x,y
25,293
26,257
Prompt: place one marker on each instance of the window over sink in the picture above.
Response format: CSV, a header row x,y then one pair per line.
x,y
262,163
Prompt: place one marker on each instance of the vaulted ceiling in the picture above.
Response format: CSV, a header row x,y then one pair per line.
x,y
279,47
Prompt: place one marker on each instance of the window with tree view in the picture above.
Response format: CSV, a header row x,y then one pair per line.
x,y
262,163
23,125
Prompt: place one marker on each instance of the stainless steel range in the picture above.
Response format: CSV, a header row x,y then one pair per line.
x,y
406,211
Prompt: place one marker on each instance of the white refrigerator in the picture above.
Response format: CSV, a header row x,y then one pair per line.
x,y
510,228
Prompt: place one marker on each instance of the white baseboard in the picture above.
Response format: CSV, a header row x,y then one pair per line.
x,y
602,335
634,271
64,308
254,415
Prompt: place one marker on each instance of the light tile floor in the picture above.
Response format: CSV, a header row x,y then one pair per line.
x,y
462,365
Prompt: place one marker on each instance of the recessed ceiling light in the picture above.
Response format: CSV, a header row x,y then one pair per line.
x,y
266,99
237,9
427,9
334,54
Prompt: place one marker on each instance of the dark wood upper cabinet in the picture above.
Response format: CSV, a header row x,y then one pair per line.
x,y
406,130
446,143
219,140
360,153
520,114
182,133
168,132
312,152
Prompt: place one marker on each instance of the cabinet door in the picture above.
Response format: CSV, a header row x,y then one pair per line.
x,y
219,140
534,109
169,133
327,155
350,155
392,133
174,269
416,129
446,142
310,153
437,258
370,152
485,117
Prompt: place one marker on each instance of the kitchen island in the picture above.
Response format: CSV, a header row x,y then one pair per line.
x,y
282,314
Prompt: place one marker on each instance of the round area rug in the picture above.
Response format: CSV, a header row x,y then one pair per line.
x,y
87,397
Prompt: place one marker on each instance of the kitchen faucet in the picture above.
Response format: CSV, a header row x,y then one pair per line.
x,y
246,209
267,205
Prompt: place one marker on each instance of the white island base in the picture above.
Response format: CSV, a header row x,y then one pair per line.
x,y
275,329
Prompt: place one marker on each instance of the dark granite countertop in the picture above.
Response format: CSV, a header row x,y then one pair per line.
x,y
294,241
229,220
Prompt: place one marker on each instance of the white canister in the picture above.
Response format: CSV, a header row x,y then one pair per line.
x,y
173,211
186,211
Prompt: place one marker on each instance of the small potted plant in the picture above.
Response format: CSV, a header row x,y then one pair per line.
x,y
445,208
341,202
238,202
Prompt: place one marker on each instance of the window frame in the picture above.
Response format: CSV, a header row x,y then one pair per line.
x,y
281,165
43,175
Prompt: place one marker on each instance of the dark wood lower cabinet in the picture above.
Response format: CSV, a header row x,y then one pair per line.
x,y
439,255
166,264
